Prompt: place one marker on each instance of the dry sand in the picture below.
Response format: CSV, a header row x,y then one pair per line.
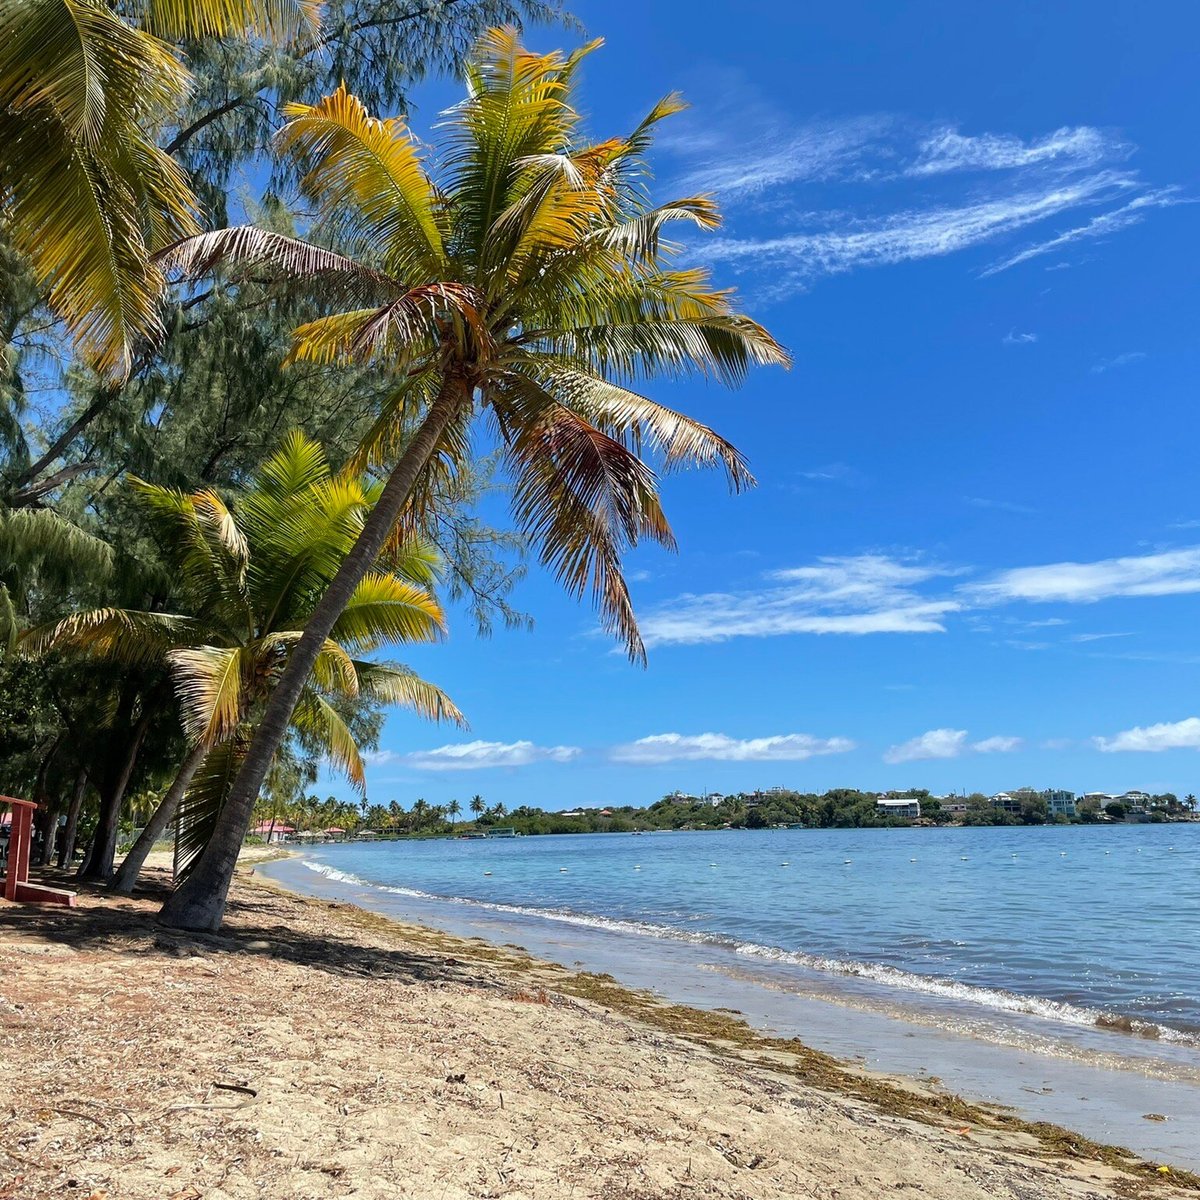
x,y
311,1050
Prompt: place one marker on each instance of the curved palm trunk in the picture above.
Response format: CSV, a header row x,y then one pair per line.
x,y
98,862
66,845
129,870
199,901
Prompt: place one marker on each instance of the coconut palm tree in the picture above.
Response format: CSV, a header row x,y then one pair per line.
x,y
85,192
452,811
248,577
525,278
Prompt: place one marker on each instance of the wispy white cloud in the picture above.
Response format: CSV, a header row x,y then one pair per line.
x,y
920,193
876,593
997,745
1014,338
910,234
1121,360
1096,637
776,157
947,151
837,472
1010,506
474,756
1175,572
1099,226
854,595
947,743
1176,735
678,747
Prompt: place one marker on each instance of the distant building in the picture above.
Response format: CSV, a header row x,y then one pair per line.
x,y
576,813
1006,803
504,831
909,809
954,807
1059,803
272,831
1135,802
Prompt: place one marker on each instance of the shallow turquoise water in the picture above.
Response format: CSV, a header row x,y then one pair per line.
x,y
1074,923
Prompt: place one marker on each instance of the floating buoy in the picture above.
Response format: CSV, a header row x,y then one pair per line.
x,y
963,858
785,864
562,870
637,866
847,862
487,872
912,860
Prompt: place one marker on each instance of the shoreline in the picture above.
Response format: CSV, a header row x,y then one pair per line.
x,y
319,1001
1100,1082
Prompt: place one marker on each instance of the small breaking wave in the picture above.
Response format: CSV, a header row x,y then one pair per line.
x,y
996,999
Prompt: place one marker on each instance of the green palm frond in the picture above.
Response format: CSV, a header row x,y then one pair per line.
x,y
211,683
200,808
117,635
386,609
531,269
392,683
318,721
368,178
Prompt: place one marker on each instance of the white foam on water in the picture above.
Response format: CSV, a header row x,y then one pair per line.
x,y
996,999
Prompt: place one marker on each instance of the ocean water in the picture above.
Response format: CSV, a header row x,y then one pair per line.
x,y
1085,927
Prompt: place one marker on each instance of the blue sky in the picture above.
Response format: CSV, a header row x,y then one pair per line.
x,y
973,557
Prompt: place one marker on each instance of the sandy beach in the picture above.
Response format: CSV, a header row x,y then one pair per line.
x,y
315,1050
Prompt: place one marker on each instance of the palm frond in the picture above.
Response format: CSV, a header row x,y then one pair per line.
x,y
210,684
367,175
385,609
117,635
319,724
637,420
244,251
200,808
177,20
391,683
87,191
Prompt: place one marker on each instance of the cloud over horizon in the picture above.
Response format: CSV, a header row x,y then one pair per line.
x,y
475,756
1176,735
947,743
719,747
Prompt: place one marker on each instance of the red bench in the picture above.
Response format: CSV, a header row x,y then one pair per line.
x,y
16,885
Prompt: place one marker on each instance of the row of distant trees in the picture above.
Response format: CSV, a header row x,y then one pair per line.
x,y
839,808
309,813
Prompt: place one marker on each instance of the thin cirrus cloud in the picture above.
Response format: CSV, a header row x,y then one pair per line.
x,y
852,595
948,151
477,756
866,594
1170,735
870,191
719,747
947,743
1121,360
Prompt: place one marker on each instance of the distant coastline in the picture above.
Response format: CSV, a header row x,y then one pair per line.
x,y
776,808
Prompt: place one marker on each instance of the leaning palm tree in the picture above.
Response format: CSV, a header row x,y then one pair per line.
x,y
247,581
85,192
525,277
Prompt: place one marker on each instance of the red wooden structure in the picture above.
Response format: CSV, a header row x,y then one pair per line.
x,y
16,885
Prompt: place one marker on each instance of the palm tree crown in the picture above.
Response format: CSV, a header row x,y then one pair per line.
x,y
530,269
247,578
524,278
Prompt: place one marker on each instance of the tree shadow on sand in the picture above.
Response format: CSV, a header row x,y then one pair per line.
x,y
253,926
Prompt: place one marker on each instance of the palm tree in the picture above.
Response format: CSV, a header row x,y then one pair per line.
x,y
248,578
477,806
452,811
527,279
87,195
